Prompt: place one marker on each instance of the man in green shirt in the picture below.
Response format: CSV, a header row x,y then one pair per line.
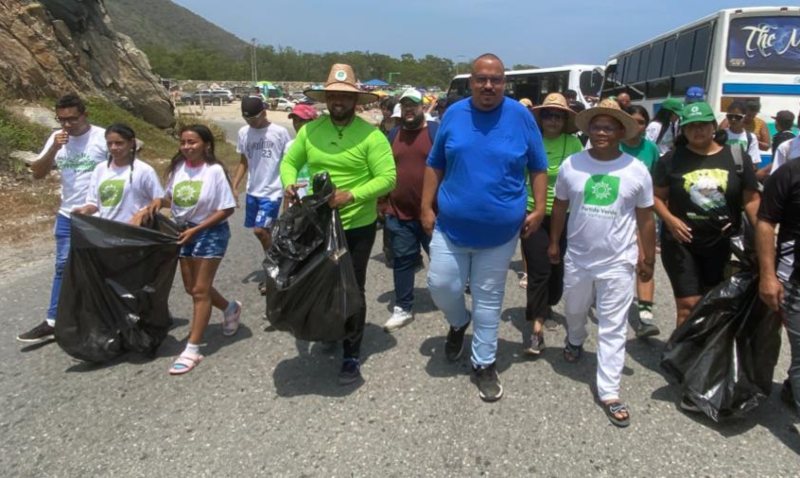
x,y
360,163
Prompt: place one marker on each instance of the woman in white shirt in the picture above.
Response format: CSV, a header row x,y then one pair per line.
x,y
201,200
664,128
121,188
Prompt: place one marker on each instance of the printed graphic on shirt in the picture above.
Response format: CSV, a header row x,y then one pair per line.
x,y
80,163
187,193
706,188
601,190
111,192
264,145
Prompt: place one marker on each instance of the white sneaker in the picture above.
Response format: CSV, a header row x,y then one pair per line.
x,y
399,318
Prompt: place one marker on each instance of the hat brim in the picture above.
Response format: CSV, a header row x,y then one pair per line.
x,y
704,119
363,97
585,117
570,126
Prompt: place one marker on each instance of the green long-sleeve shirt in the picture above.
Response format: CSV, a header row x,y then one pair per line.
x,y
360,161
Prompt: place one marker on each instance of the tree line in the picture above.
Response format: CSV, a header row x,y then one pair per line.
x,y
287,64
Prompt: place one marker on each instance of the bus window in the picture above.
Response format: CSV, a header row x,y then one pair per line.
x,y
668,63
642,76
654,65
702,45
590,82
764,44
683,54
632,68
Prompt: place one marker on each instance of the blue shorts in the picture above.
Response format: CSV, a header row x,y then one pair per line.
x,y
209,243
261,212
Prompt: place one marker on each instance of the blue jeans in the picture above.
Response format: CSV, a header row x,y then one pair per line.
x,y
486,270
406,239
61,232
791,311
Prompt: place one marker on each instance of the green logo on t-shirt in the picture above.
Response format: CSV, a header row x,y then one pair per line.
x,y
186,193
111,192
601,190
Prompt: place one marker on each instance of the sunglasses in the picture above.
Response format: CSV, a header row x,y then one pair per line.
x,y
732,117
547,114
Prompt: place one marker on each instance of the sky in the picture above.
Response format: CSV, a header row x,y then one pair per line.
x,y
529,32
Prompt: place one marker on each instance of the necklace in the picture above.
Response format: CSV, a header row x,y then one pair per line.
x,y
340,130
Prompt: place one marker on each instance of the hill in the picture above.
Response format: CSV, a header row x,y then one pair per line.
x,y
164,24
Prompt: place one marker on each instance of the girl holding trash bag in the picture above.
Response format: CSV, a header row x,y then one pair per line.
x,y
201,200
700,192
121,188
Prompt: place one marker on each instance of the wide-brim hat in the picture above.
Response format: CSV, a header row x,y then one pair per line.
x,y
608,107
341,79
556,101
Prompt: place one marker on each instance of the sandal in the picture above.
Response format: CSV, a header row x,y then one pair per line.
x,y
614,408
572,353
230,322
185,363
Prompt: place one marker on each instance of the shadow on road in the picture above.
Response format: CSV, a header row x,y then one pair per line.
x,y
314,370
254,277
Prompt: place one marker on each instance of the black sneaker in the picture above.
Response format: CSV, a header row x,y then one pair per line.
x,y
41,333
646,329
350,372
489,387
454,345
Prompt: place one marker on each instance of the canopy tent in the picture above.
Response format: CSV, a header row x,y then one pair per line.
x,y
375,82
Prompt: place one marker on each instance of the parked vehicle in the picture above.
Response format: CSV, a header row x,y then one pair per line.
x,y
282,104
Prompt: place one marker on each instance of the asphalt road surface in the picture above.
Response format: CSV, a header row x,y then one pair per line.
x,y
264,404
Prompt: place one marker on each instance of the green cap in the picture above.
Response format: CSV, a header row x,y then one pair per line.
x,y
699,112
673,104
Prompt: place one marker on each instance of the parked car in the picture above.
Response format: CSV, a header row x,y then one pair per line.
x,y
225,95
282,104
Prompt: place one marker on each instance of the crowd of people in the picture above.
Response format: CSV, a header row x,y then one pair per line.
x,y
589,195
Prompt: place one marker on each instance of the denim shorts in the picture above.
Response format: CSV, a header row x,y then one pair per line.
x,y
209,243
261,212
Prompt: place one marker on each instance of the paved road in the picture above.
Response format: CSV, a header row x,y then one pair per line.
x,y
263,404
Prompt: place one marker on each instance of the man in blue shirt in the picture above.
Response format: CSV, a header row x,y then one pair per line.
x,y
473,204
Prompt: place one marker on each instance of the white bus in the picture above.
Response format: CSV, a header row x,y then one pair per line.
x,y
535,84
734,54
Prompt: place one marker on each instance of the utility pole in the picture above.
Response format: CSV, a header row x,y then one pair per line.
x,y
253,66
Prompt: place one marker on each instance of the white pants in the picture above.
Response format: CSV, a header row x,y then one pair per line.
x,y
613,288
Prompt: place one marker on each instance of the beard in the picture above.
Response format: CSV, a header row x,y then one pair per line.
x,y
342,115
414,123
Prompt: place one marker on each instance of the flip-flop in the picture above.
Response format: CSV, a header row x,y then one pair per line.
x,y
185,363
612,409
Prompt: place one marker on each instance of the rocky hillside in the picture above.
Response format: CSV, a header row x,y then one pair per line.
x,y
51,47
167,25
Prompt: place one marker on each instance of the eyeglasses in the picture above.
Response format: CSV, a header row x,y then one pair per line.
x,y
608,129
547,114
732,117
68,119
483,79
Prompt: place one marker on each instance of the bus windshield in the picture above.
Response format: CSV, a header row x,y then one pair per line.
x,y
764,44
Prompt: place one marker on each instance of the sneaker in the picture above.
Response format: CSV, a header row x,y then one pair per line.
x,y
689,406
350,372
646,329
454,345
400,318
41,333
230,319
534,345
572,353
489,387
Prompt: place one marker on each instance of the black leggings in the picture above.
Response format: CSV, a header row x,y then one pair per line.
x,y
359,243
545,280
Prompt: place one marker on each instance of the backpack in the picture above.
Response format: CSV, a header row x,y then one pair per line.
x,y
433,128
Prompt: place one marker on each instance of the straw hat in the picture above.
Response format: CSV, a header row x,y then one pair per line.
x,y
556,101
341,79
608,107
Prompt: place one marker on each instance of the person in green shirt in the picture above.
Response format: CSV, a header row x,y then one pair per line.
x,y
646,151
359,160
545,280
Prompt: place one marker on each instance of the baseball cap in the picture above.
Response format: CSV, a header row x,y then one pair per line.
x,y
699,112
673,104
694,94
304,112
252,106
412,94
784,116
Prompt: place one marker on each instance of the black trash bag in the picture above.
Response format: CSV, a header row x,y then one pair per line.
x,y
725,354
116,286
311,284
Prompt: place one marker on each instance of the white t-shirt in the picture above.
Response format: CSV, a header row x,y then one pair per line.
x,y
667,141
263,149
603,197
741,140
118,193
198,192
76,160
786,151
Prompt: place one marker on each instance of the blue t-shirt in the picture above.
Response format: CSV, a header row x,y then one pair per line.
x,y
484,156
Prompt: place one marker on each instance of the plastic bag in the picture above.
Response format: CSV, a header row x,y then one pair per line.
x,y
116,286
725,354
311,284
